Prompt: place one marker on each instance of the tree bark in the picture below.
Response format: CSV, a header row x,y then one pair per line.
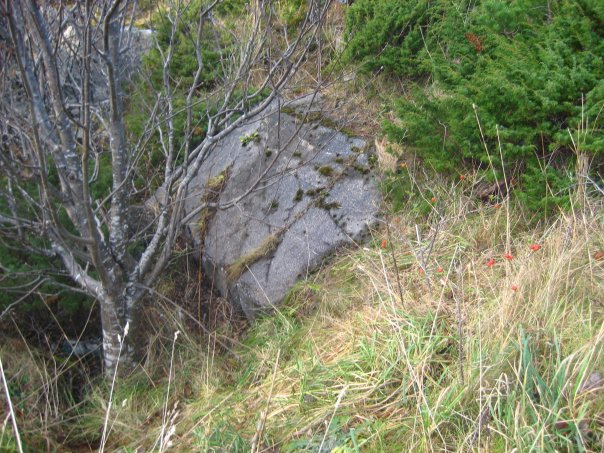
x,y
123,339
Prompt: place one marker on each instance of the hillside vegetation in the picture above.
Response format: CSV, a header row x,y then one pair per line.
x,y
482,334
474,318
514,88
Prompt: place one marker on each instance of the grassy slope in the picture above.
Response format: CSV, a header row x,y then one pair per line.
x,y
456,359
464,356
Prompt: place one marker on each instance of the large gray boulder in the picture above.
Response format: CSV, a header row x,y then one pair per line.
x,y
309,192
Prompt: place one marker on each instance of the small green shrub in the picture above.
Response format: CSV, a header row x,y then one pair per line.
x,y
32,279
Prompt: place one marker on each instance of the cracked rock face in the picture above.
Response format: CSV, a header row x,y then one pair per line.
x,y
309,192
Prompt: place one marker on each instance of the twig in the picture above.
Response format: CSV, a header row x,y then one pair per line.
x,y
398,278
263,415
433,240
458,299
423,264
597,187
335,409
483,419
21,299
10,408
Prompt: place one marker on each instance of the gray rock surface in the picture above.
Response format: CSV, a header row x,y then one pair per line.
x,y
312,194
134,44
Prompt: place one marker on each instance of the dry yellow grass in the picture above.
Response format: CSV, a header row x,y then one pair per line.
x,y
352,361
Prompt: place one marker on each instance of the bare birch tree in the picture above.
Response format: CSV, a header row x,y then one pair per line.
x,y
54,56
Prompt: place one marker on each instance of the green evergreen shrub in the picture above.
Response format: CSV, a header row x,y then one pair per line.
x,y
291,12
533,69
21,271
27,277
